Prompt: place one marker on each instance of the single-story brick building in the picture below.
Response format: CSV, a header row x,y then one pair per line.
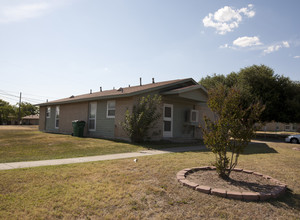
x,y
182,108
30,120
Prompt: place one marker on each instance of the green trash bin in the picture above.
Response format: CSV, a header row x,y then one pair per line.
x,y
78,128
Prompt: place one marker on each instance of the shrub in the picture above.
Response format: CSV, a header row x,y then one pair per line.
x,y
144,116
232,129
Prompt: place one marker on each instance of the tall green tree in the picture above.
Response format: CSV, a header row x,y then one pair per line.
x,y
213,81
5,111
143,117
28,109
259,83
232,129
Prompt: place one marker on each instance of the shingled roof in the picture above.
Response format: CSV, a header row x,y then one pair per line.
x,y
31,117
126,92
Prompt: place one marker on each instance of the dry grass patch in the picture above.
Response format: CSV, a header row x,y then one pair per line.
x,y
18,127
148,189
25,143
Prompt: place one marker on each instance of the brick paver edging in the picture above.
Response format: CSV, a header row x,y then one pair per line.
x,y
278,190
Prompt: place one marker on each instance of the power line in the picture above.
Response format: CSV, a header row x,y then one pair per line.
x,y
33,98
1,90
16,99
13,97
5,93
41,96
8,96
28,94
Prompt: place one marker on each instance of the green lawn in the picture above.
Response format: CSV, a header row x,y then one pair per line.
x,y
26,143
148,189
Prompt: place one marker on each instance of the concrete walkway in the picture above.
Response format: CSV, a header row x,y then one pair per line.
x,y
27,164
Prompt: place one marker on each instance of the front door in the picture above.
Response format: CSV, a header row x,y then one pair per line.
x,y
168,120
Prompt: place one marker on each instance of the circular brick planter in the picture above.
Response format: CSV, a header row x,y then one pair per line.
x,y
278,190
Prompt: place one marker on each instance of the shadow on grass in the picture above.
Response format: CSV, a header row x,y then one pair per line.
x,y
195,146
167,145
290,199
258,148
252,186
252,148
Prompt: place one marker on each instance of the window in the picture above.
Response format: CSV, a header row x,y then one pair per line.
x,y
287,127
48,112
92,116
168,120
194,116
57,117
111,109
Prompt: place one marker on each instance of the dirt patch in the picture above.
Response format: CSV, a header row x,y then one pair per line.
x,y
239,181
242,185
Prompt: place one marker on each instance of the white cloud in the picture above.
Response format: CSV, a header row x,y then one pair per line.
x,y
296,57
247,11
227,46
26,10
224,46
253,43
21,12
247,41
285,44
226,19
276,47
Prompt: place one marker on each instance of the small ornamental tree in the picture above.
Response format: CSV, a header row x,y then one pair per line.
x,y
232,129
143,117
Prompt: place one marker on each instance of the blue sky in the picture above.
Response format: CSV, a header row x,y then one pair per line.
x,y
57,48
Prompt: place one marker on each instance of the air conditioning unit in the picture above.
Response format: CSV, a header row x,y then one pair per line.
x,y
192,116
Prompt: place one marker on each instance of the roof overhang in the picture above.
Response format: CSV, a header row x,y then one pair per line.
x,y
196,93
120,94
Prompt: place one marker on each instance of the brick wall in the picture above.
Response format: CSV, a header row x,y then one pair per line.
x,y
71,112
121,107
124,104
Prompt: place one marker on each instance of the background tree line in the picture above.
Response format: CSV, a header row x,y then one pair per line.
x,y
11,112
279,94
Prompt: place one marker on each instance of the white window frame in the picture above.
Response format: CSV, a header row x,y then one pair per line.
x,y
48,112
95,119
287,127
197,116
57,112
170,119
108,109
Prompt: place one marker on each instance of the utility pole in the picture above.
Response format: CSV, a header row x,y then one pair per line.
x,y
20,108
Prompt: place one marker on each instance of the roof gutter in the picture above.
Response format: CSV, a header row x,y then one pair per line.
x,y
121,95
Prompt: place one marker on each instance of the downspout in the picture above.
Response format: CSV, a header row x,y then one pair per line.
x,y
87,120
45,118
194,128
